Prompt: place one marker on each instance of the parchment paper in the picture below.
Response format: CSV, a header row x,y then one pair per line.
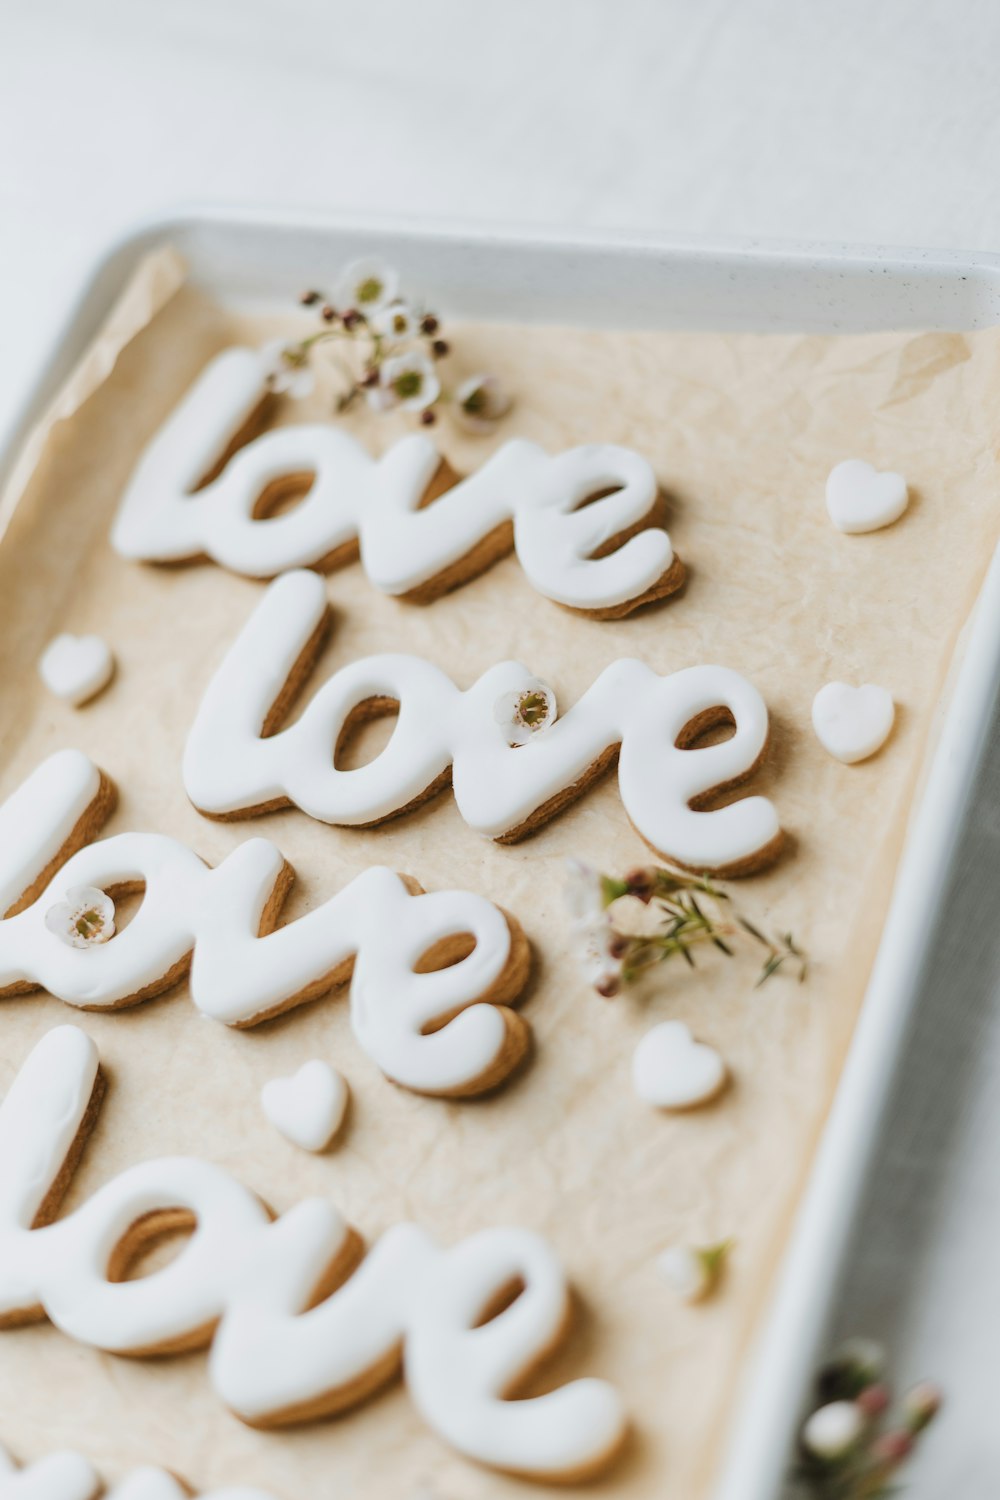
x,y
742,431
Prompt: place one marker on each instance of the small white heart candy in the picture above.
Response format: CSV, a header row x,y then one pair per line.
x,y
859,498
76,667
673,1071
852,723
308,1107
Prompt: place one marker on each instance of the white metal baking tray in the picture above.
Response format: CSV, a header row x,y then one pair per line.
x,y
254,257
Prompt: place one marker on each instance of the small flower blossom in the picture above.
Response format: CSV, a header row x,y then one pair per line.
x,y
692,1270
584,892
395,323
85,918
412,379
598,954
833,1431
287,367
525,711
366,286
595,943
480,401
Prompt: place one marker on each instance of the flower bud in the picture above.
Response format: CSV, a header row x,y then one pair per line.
x,y
641,884
891,1448
921,1405
833,1431
684,1269
873,1401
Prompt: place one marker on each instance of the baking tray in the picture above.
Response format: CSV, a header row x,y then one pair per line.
x,y
259,259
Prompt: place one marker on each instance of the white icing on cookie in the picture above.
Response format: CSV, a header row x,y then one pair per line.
x,y
308,1107
38,819
673,1071
229,768
68,1476
59,1476
852,723
239,977
356,498
76,667
243,1284
859,498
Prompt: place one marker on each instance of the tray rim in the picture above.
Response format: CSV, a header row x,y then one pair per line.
x,y
788,1337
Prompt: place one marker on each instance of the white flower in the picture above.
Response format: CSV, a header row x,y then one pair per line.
x,y
693,1270
366,286
86,917
396,323
595,946
832,1431
592,936
584,892
480,401
686,1272
287,369
525,711
412,379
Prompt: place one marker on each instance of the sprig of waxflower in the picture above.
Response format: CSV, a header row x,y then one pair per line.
x,y
689,911
391,350
852,1447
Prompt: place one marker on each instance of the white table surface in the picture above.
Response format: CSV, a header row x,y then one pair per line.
x,y
857,120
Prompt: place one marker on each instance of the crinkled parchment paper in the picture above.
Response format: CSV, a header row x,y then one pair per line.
x,y
742,432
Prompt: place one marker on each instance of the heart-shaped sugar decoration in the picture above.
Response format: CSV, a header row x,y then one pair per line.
x,y
673,1071
852,723
76,667
859,498
307,1108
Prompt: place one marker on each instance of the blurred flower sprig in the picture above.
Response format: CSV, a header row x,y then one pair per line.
x,y
685,912
854,1444
387,351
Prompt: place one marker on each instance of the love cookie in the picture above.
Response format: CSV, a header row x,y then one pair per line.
x,y
255,1290
432,978
69,1476
585,524
239,761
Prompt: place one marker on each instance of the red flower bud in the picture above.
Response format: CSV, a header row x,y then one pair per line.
x,y
892,1447
873,1400
641,884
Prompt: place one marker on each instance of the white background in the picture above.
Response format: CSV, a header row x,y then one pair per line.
x,y
852,120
